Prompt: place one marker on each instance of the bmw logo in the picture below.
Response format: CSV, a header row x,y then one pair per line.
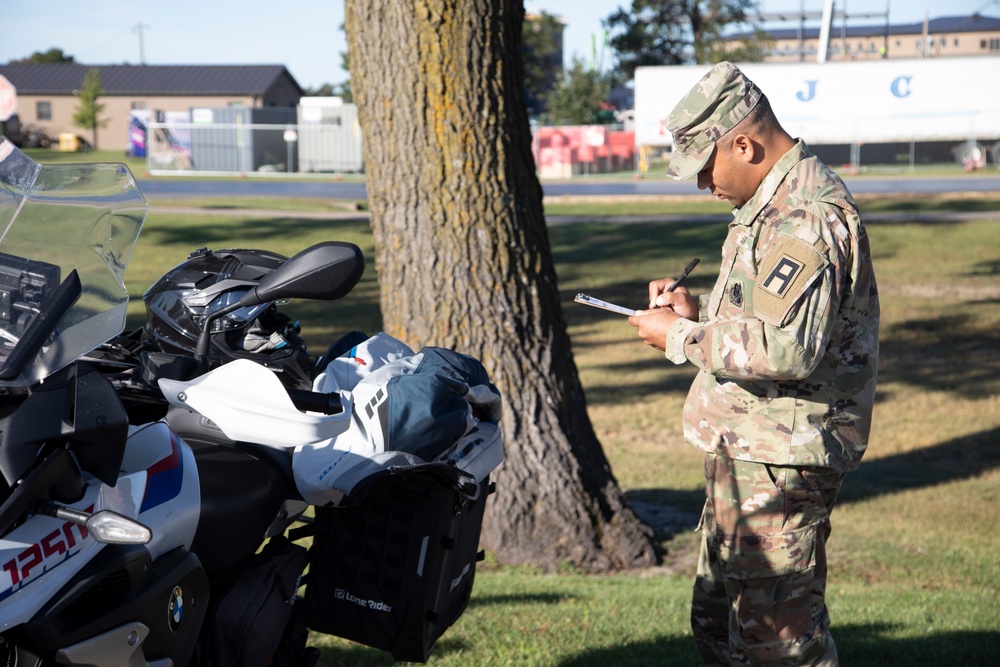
x,y
175,609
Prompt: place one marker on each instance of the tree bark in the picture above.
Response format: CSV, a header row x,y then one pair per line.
x,y
463,259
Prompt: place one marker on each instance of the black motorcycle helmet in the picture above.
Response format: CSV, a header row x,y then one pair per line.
x,y
179,302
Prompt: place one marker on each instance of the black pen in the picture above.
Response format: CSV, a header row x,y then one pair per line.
x,y
684,274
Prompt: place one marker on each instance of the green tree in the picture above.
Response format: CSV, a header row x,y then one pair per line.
x,y
343,89
749,47
464,262
53,55
326,90
578,97
88,114
541,50
671,32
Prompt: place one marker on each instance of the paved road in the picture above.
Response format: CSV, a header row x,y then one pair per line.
x,y
187,188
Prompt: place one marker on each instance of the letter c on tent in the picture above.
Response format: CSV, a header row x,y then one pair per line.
x,y
901,86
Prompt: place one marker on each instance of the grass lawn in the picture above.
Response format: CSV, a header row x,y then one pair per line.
x,y
914,573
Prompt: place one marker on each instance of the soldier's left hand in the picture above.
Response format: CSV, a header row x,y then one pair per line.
x,y
653,324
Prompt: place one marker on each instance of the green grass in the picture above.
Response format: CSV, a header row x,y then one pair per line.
x,y
137,165
533,620
914,574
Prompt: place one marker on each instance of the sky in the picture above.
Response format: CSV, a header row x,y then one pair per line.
x,y
305,35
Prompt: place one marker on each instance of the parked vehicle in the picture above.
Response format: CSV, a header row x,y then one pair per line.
x,y
150,513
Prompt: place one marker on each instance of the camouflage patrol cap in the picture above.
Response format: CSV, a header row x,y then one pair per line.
x,y
720,100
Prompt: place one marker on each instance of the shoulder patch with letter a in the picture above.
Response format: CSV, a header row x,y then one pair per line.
x,y
781,276
788,270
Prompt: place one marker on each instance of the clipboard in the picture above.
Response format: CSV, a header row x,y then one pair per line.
x,y
588,300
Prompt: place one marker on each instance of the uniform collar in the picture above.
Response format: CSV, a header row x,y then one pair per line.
x,y
747,213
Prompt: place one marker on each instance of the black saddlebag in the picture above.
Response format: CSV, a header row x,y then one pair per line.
x,y
394,568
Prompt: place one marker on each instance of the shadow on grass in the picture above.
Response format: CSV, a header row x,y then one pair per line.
x,y
519,598
617,394
667,511
857,645
898,207
958,459
584,243
672,511
260,232
953,353
663,652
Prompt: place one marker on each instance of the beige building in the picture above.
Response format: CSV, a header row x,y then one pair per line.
x,y
941,37
46,94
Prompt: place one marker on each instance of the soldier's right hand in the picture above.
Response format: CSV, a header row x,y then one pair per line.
x,y
680,300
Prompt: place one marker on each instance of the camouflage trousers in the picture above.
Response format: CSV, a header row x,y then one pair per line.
x,y
759,592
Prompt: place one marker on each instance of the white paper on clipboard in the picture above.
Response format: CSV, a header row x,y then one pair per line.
x,y
597,303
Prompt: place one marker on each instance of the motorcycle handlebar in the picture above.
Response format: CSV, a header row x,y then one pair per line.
x,y
314,401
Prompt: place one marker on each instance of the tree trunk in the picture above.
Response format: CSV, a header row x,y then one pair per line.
x,y
463,260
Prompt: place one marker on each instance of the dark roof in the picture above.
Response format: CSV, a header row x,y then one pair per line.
x,y
64,78
938,26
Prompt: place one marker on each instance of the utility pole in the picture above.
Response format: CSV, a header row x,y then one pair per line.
x,y
824,32
142,51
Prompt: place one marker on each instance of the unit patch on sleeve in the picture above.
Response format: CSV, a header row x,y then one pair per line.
x,y
736,295
780,278
786,273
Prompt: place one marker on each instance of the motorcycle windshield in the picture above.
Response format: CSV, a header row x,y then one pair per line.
x,y
55,218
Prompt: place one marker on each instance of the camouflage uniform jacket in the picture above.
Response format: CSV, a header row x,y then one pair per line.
x,y
787,342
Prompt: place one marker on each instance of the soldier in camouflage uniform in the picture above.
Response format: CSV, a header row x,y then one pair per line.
x,y
787,350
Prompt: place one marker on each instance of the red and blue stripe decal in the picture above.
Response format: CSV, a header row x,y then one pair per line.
x,y
164,478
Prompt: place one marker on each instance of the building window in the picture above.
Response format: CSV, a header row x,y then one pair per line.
x,y
956,41
994,45
43,110
138,106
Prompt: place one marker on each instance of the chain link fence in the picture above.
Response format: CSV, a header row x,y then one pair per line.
x,y
325,148
909,156
904,143
292,149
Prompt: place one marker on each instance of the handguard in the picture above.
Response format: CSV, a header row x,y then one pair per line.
x,y
248,403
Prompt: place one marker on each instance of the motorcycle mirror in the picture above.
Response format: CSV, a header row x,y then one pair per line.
x,y
326,271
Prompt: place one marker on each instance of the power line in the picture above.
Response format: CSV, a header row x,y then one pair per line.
x,y
115,37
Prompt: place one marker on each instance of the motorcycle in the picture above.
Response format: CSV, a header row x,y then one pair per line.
x,y
151,513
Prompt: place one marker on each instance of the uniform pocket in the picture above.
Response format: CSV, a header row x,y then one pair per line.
x,y
777,589
768,555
